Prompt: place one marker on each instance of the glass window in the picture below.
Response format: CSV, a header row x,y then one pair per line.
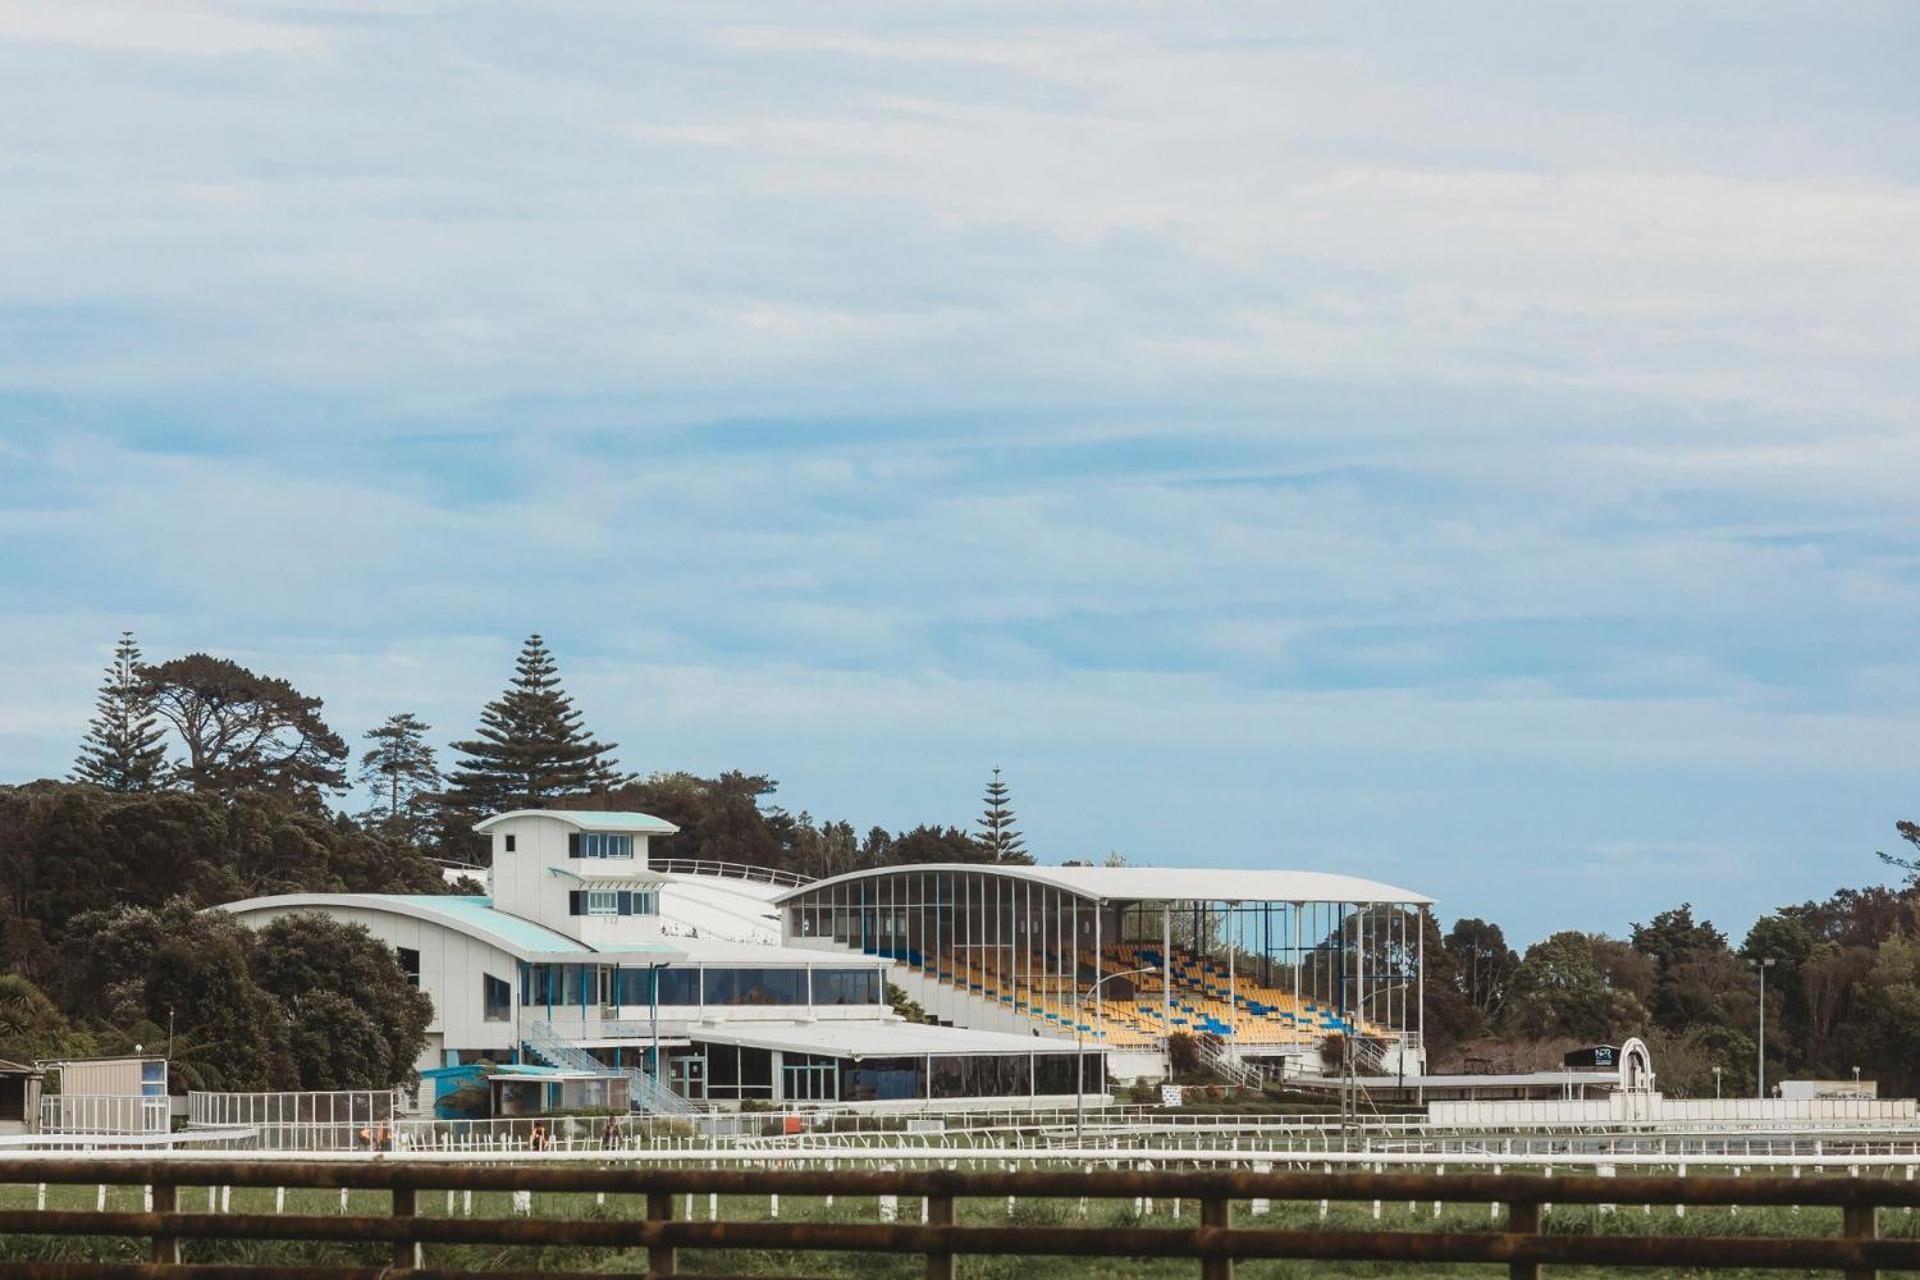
x,y
756,986
633,986
509,844
884,1079
846,986
496,999
1053,1072
602,902
599,844
409,963
680,986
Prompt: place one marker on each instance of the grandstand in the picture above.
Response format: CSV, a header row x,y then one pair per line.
x,y
1262,966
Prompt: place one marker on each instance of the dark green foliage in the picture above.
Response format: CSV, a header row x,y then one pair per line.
x,y
66,850
243,731
399,768
126,746
1483,965
32,1026
187,969
531,746
356,1022
998,834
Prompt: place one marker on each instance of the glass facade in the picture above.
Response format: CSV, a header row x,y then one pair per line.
x,y
755,986
613,902
846,986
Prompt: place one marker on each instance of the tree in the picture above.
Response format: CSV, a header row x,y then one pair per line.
x,y
1483,964
125,748
185,968
927,844
1564,987
530,746
244,731
356,1021
31,1026
400,769
998,835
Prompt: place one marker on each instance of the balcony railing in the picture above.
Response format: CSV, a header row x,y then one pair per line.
x,y
728,871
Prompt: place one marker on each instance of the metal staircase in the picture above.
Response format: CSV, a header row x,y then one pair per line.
x,y
647,1091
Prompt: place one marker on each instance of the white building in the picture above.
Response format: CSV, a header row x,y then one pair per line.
x,y
587,954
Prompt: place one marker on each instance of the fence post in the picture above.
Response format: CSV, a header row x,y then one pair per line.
x,y
1523,1218
660,1261
939,1213
164,1248
406,1253
1860,1222
1217,1213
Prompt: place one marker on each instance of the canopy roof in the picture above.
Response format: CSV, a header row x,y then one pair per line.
x,y
1166,884
589,820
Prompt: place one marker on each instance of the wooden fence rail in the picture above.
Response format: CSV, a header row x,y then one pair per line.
x,y
1524,1245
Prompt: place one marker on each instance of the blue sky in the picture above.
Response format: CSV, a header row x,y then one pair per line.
x,y
1471,448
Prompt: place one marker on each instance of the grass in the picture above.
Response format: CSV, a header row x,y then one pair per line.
x,y
1393,1216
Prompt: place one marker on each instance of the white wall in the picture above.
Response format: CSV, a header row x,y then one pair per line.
x,y
524,883
451,966
1654,1108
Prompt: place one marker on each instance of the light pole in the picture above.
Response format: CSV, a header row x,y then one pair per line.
x,y
1716,1083
1080,1052
1761,966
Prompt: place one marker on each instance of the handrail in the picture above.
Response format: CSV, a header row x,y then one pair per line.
x,y
728,871
1521,1240
648,1092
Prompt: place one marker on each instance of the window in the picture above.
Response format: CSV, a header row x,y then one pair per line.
x,y
613,902
409,964
846,986
496,999
509,840
756,986
599,844
680,986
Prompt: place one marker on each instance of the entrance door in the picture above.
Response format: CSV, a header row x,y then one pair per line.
x,y
688,1076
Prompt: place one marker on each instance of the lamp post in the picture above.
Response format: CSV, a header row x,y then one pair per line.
x,y
1716,1082
1080,1052
1761,965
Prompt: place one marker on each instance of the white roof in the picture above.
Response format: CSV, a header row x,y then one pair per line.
x,y
474,916
1169,884
715,907
728,951
589,820
876,1038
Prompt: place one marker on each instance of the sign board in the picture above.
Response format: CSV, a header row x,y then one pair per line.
x,y
1169,1095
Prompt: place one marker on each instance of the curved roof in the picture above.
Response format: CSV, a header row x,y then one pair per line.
x,y
589,820
1167,884
474,916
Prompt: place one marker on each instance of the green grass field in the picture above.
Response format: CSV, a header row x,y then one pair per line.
x,y
1626,1219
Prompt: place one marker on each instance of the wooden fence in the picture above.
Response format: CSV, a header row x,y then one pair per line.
x,y
1516,1238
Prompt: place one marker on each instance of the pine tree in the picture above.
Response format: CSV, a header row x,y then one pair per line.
x,y
399,767
530,746
998,835
125,747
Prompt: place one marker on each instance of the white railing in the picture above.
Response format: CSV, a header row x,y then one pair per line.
x,y
104,1113
728,871
344,1106
648,1093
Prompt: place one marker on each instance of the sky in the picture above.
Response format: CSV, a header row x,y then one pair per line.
x,y
1468,446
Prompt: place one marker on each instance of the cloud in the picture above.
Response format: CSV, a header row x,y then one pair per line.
x,y
192,30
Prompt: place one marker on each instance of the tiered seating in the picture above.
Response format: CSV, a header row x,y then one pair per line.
x,y
1201,994
1202,1000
